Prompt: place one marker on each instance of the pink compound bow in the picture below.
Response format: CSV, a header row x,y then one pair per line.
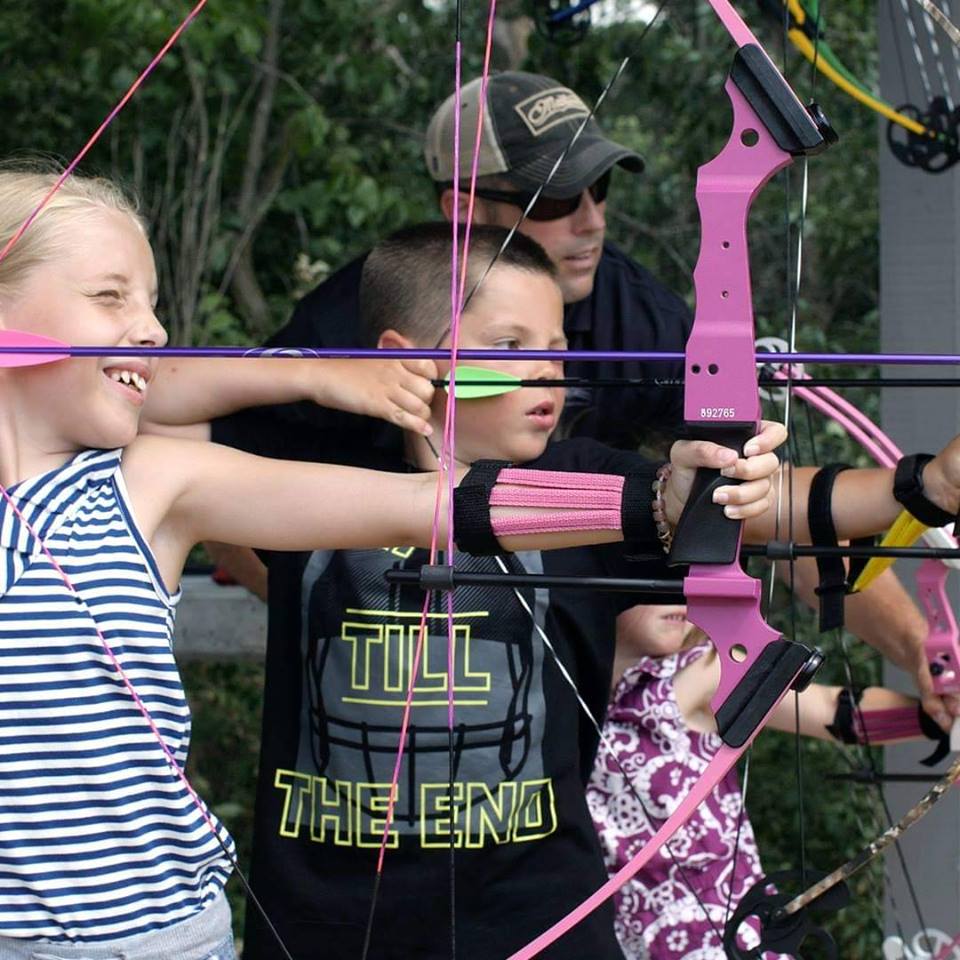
x,y
758,667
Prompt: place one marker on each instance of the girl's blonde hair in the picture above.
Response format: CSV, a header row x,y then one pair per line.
x,y
22,189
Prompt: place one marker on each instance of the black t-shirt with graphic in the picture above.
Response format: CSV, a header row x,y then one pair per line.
x,y
341,643
338,660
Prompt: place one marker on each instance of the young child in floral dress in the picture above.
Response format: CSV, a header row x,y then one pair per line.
x,y
662,732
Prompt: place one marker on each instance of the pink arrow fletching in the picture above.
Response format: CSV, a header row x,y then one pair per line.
x,y
13,339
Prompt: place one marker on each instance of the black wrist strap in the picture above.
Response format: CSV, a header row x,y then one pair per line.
x,y
908,491
842,728
635,517
471,509
931,730
834,577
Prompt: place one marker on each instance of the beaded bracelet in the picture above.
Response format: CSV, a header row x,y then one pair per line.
x,y
659,507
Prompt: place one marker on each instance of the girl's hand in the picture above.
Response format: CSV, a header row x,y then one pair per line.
x,y
759,463
398,391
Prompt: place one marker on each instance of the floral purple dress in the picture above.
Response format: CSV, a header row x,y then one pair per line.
x,y
658,917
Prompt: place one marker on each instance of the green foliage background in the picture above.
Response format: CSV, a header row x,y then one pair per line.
x,y
282,137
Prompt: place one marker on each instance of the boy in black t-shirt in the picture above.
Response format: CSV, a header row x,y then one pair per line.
x,y
339,653
338,662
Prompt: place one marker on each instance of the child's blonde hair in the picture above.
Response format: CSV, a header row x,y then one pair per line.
x,y
22,189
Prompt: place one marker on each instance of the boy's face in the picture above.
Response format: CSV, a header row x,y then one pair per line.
x,y
513,310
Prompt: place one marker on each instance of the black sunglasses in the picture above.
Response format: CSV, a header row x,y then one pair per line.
x,y
548,208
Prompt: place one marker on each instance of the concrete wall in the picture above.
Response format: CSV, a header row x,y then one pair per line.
x,y
219,623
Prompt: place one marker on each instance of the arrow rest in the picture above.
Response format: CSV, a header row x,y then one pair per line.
x,y
785,934
773,345
564,32
933,154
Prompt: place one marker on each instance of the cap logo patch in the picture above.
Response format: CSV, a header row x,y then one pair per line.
x,y
544,110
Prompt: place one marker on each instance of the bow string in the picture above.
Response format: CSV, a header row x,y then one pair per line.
x,y
446,479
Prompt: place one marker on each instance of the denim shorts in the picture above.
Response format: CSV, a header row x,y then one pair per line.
x,y
205,936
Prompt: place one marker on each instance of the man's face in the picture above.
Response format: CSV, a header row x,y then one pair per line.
x,y
574,243
513,310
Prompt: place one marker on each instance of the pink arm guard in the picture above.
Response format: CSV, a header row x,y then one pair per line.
x,y
571,501
894,723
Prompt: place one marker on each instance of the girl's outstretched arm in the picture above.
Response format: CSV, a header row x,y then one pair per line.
x,y
819,706
185,491
187,392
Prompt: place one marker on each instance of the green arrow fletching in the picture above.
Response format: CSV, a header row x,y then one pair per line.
x,y
475,383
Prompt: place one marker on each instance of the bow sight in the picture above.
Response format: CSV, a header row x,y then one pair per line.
x,y
936,149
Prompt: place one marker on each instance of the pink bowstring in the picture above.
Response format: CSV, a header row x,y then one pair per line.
x,y
446,475
99,131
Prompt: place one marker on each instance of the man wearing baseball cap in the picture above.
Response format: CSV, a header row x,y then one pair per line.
x,y
529,121
611,302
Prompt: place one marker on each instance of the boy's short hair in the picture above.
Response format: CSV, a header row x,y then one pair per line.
x,y
405,284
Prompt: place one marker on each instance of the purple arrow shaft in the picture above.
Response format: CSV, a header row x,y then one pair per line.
x,y
582,356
